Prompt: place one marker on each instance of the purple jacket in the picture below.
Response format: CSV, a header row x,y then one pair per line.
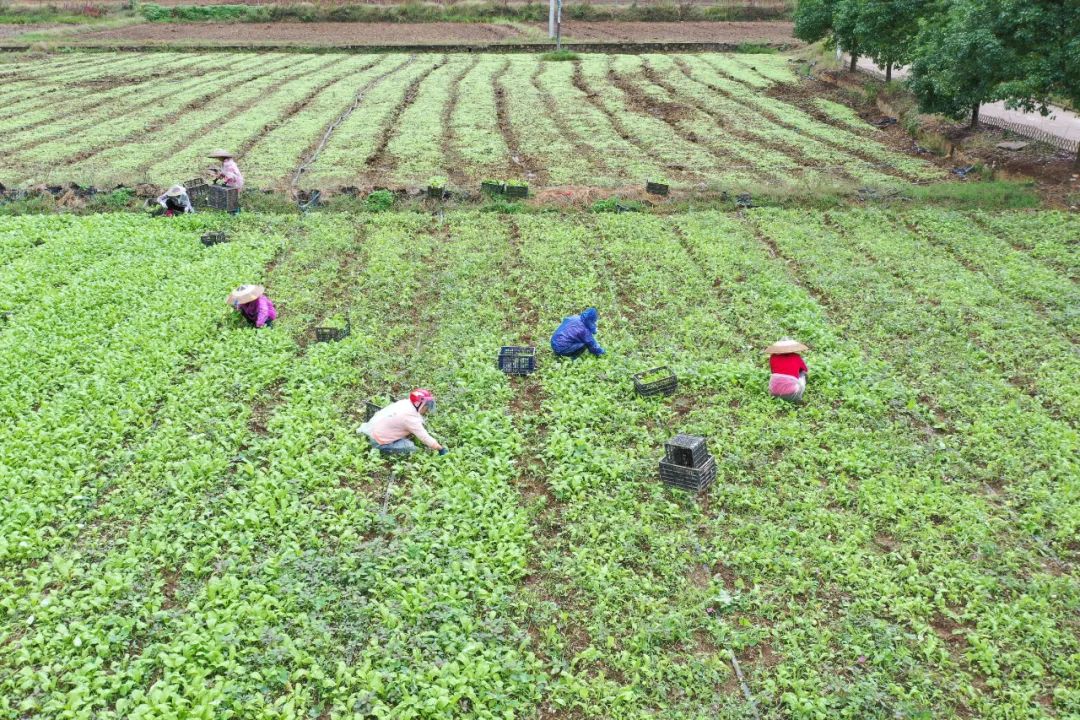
x,y
259,311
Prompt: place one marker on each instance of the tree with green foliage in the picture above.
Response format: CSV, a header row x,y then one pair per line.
x,y
959,62
813,20
1044,36
836,20
887,29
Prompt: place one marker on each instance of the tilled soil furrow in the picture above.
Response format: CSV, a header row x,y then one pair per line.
x,y
641,103
205,100
558,119
771,117
136,88
527,165
380,160
162,121
299,105
454,161
311,153
87,123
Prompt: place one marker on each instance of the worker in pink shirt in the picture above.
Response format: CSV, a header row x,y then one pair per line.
x,y
252,303
390,428
788,378
228,174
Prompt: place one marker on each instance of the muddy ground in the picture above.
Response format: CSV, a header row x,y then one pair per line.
x,y
775,32
329,34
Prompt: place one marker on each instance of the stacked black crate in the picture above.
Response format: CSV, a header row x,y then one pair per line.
x,y
687,463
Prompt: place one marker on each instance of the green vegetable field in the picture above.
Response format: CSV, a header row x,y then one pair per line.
x,y
702,121
192,528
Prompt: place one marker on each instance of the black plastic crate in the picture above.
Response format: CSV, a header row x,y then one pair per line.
x,y
517,191
214,237
492,188
656,188
436,192
223,198
197,191
332,334
515,360
658,381
694,479
686,450
369,410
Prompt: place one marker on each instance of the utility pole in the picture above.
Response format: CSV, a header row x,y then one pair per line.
x,y
558,25
551,19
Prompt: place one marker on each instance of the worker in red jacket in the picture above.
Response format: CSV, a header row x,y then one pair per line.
x,y
788,379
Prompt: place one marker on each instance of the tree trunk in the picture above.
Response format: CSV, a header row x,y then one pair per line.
x,y
1076,160
888,72
854,60
974,116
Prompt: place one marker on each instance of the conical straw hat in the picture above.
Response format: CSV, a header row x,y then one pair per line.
x,y
245,294
220,153
785,345
175,191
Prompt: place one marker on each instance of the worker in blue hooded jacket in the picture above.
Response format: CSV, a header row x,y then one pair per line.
x,y
576,335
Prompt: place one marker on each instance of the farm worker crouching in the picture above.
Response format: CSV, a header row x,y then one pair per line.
x,y
228,174
390,428
174,201
577,334
788,379
253,304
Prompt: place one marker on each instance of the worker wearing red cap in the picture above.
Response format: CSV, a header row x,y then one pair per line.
x,y
390,428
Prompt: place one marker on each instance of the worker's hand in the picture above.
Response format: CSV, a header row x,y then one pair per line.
x,y
601,352
443,450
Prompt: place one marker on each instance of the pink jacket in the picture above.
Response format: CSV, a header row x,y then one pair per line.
x,y
231,174
396,421
259,311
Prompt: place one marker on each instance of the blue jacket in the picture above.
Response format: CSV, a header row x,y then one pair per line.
x,y
576,333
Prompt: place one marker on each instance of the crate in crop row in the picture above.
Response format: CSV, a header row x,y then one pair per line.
x,y
333,334
222,198
656,188
214,237
686,450
658,381
197,191
694,479
514,360
517,191
369,410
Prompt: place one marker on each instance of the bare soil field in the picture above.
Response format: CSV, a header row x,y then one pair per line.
x,y
724,32
312,33
333,34
7,31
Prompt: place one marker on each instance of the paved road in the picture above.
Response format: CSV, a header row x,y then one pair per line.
x,y
1060,123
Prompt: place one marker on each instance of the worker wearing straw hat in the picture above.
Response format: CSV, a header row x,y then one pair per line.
x,y
228,174
175,201
788,379
252,303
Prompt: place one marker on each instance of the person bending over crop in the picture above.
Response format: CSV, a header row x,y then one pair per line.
x,y
252,303
390,428
577,334
228,174
174,201
788,379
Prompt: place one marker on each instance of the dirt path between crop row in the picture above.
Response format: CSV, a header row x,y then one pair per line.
x,y
438,33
